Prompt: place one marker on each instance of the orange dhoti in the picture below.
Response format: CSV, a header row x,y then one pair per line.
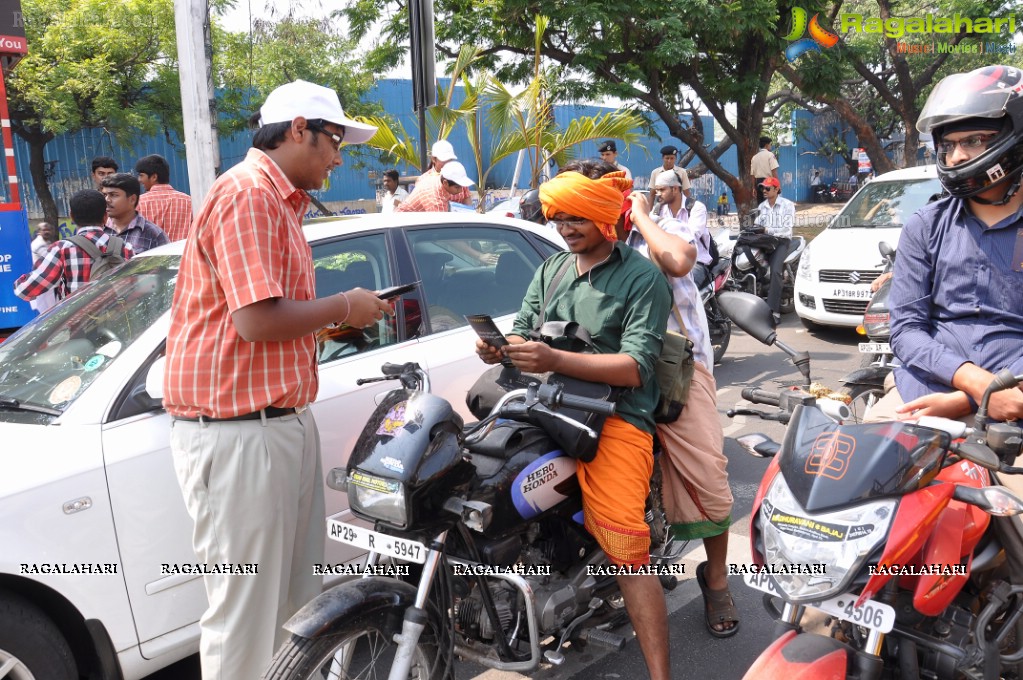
x,y
615,485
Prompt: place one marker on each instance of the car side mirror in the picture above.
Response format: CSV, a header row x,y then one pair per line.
x,y
154,379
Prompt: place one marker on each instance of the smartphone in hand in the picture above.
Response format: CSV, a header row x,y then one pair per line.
x,y
396,291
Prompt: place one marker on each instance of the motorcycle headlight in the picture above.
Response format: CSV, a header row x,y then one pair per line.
x,y
815,556
804,264
377,498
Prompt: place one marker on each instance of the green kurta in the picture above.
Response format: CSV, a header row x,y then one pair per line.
x,y
623,303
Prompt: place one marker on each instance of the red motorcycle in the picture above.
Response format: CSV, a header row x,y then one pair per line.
x,y
886,528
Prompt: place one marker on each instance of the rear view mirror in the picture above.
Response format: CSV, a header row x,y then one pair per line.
x,y
758,445
749,313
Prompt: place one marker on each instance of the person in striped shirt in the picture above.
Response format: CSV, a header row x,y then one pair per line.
x,y
162,204
241,372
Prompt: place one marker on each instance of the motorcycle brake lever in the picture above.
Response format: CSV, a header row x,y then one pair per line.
x,y
380,378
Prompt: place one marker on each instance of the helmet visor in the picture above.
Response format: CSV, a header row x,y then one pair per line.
x,y
963,96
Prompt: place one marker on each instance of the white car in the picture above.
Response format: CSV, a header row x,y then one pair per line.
x,y
839,264
93,515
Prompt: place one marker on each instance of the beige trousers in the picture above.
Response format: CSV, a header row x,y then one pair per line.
x,y
255,491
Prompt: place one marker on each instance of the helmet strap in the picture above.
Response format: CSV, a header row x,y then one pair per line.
x,y
1013,188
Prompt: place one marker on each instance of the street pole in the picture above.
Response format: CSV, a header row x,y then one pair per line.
x,y
191,22
424,89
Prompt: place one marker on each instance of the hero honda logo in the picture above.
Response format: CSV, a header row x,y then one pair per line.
x,y
819,36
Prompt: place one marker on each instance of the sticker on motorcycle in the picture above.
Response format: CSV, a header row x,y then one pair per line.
x,y
810,529
830,455
394,421
540,485
375,483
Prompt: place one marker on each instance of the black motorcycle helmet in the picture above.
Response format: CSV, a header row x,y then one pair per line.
x,y
529,207
988,98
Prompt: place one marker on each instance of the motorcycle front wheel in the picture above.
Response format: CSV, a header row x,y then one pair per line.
x,y
361,651
863,397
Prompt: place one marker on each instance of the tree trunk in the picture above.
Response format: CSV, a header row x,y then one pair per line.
x,y
37,141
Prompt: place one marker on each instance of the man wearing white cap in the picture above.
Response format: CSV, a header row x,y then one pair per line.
x,y
442,153
241,372
688,211
437,196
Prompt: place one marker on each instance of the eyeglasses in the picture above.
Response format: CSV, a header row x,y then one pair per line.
x,y
971,145
573,223
335,139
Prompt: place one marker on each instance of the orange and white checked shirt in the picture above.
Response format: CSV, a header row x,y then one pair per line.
x,y
246,245
168,209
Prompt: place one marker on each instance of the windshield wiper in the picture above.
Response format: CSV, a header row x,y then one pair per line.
x,y
11,403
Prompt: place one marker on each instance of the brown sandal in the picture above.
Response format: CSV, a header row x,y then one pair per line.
x,y
718,607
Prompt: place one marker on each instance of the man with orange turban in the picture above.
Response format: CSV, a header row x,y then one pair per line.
x,y
622,300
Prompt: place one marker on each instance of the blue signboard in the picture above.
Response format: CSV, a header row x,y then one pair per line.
x,y
15,260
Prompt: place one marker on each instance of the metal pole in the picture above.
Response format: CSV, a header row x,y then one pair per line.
x,y
200,137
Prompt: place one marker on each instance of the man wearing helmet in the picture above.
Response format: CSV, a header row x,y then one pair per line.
x,y
957,296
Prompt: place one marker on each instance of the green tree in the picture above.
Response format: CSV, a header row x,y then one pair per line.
x,y
106,63
874,87
668,57
519,121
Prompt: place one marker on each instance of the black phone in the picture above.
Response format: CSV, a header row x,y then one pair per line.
x,y
395,291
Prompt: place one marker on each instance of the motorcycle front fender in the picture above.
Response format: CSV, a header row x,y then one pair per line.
x,y
871,375
801,656
358,599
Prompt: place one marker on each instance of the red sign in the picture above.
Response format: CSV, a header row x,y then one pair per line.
x,y
12,28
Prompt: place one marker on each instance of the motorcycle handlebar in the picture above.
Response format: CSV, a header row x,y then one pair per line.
x,y
758,396
597,406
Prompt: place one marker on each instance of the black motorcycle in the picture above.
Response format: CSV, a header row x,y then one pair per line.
x,y
751,270
865,385
480,527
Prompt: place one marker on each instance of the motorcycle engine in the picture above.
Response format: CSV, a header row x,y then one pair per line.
x,y
471,616
949,630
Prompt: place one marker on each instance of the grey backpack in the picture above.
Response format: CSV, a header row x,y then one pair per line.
x,y
102,263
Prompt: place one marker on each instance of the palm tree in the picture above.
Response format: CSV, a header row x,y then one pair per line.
x,y
520,122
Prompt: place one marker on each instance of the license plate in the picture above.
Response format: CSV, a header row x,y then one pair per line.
x,y
875,348
853,293
871,614
385,544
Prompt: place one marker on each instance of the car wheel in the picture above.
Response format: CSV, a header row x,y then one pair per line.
x,y
31,645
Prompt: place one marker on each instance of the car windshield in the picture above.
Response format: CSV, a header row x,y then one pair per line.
x,y
49,363
887,204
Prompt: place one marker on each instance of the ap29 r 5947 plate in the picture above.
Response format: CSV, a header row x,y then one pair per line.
x,y
871,614
385,544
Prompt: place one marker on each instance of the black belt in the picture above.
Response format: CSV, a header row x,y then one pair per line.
x,y
269,412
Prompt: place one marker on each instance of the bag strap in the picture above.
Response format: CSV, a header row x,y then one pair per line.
x,y
569,261
90,248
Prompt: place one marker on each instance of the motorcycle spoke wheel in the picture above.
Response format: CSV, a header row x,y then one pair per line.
x,y
352,655
863,397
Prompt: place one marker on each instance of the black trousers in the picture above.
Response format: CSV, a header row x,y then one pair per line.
x,y
777,261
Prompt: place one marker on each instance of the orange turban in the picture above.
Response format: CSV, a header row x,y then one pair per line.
x,y
597,200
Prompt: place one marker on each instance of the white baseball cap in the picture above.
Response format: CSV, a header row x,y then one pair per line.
x,y
668,178
311,101
443,151
455,172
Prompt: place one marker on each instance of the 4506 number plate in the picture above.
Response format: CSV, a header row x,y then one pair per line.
x,y
871,614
